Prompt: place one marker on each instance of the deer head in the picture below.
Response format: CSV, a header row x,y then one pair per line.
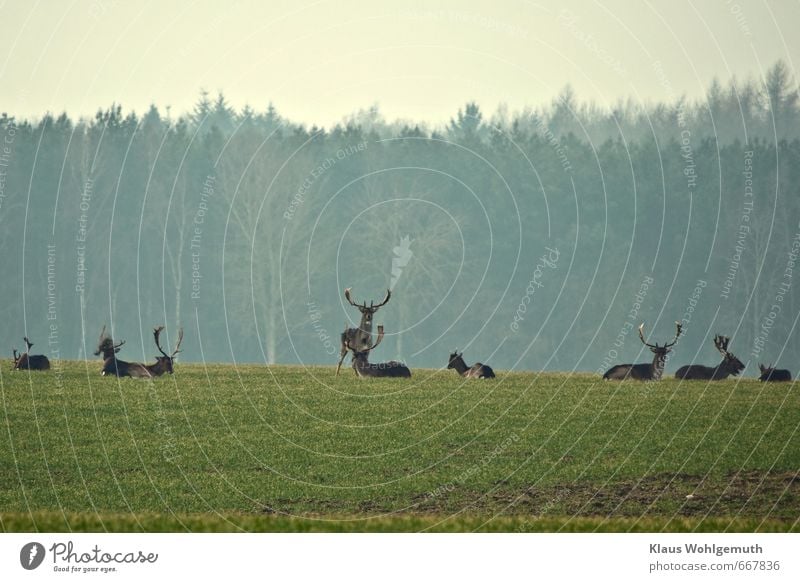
x,y
106,345
367,312
657,349
454,359
166,360
731,362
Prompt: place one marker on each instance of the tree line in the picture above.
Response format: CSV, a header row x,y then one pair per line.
x,y
536,239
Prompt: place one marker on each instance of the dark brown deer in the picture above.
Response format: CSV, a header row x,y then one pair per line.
x,y
383,370
358,338
770,374
113,366
651,371
27,362
730,365
478,370
164,362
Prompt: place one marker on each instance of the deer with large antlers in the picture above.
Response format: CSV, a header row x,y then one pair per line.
x,y
730,365
651,371
112,366
478,370
771,374
383,370
358,338
27,362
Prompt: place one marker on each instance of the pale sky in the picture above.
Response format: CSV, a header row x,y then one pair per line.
x,y
319,61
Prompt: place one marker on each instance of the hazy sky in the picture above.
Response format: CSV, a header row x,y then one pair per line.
x,y
320,61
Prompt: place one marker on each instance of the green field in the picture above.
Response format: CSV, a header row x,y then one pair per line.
x,y
252,448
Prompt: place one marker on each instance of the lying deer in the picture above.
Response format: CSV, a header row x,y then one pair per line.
x,y
769,374
383,370
359,337
112,366
475,371
730,365
651,371
27,362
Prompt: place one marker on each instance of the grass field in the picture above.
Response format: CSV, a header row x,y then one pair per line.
x,y
251,448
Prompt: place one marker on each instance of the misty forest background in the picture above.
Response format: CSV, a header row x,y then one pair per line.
x,y
292,214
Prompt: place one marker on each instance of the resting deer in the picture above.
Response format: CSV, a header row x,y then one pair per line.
x,y
109,350
770,374
27,362
651,371
383,370
478,370
357,339
730,365
112,366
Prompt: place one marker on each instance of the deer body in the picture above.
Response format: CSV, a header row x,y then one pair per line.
x,y
652,371
770,374
364,369
390,369
112,366
115,367
730,365
478,370
27,362
358,338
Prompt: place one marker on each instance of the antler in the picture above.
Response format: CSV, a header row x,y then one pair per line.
x,y
28,342
641,336
157,332
678,327
178,347
370,348
349,299
371,303
721,343
380,338
385,299
103,339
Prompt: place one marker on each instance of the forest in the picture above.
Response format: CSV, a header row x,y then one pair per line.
x,y
534,240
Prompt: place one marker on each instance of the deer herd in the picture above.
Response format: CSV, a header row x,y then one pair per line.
x,y
358,342
111,364
729,366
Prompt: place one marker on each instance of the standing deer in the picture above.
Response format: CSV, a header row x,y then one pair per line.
x,y
651,371
357,339
770,374
112,366
475,371
730,365
27,362
383,370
